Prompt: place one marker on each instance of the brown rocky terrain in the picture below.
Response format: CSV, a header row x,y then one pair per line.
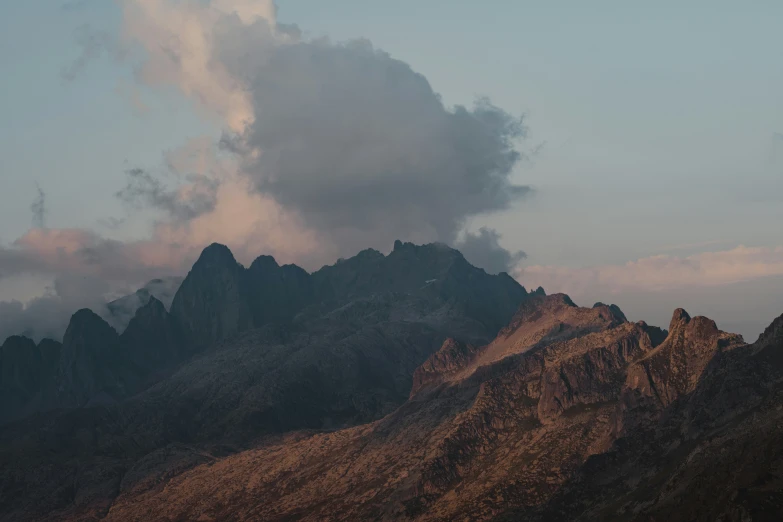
x,y
385,398
609,422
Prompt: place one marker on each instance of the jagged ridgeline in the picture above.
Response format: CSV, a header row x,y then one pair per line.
x,y
408,386
422,292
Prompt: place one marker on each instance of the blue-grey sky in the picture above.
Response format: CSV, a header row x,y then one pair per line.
x,y
653,130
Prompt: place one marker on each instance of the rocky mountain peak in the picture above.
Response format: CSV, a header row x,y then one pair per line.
x,y
680,318
535,307
17,343
703,328
212,302
773,334
91,364
153,343
154,309
613,309
264,263
699,329
19,357
435,255
215,255
673,369
87,324
122,310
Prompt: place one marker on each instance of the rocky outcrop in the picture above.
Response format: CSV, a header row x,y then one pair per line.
x,y
539,321
213,302
153,343
590,370
712,452
122,310
674,368
26,370
92,366
277,293
451,358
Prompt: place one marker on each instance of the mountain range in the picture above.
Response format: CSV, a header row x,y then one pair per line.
x,y
407,386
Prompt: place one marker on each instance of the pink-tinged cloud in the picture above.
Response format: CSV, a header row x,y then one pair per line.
x,y
82,252
659,273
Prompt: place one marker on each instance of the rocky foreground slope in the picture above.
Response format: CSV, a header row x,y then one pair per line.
x,y
579,416
570,414
402,387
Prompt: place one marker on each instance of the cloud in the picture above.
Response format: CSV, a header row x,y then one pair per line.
x,y
80,252
132,94
484,251
352,141
229,210
195,198
92,44
119,312
86,271
659,273
178,42
358,143
38,208
328,148
48,316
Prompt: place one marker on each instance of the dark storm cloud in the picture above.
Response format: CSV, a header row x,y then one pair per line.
x,y
483,250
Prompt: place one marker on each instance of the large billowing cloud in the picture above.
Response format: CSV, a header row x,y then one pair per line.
x,y
179,41
328,148
357,142
354,143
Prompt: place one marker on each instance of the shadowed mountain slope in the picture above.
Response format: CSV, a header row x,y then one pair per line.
x,y
244,355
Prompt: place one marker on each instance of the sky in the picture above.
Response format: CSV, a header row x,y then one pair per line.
x,y
647,169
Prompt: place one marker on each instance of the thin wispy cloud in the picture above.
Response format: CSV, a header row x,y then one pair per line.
x,y
659,273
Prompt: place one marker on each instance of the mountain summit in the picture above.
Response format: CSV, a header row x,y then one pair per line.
x,y
407,386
